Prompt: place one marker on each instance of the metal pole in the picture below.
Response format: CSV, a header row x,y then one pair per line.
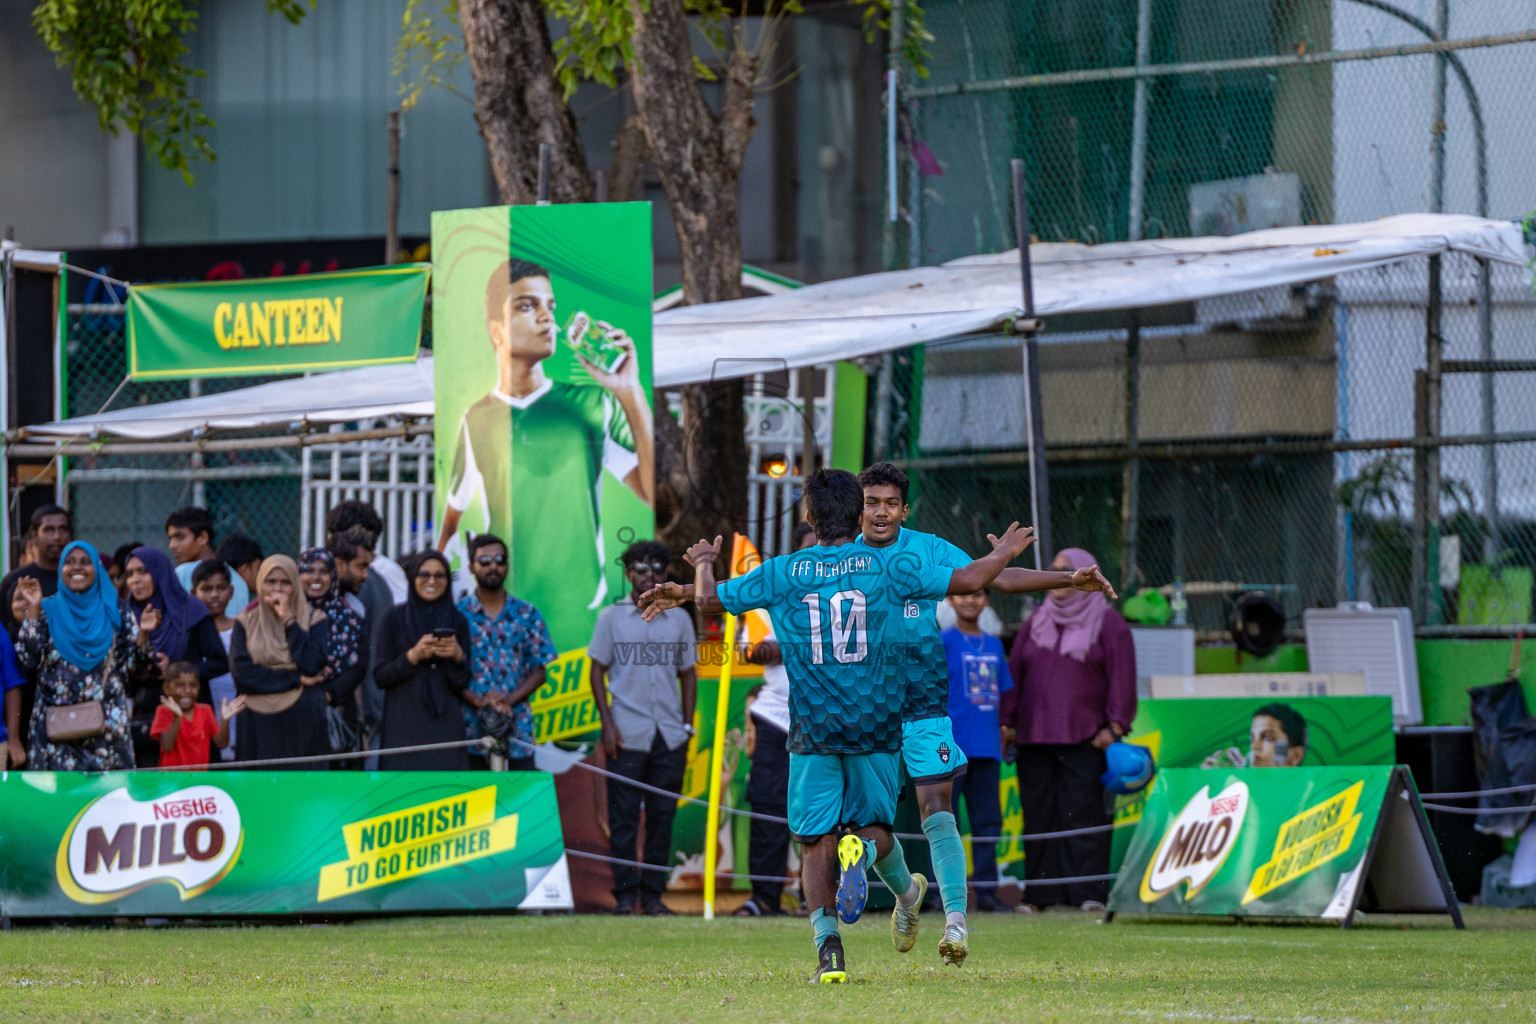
x,y
1434,342
1420,502
981,128
1492,542
392,213
810,450
892,154
885,380
884,389
1034,420
1139,120
1130,487
1211,67
195,460
544,151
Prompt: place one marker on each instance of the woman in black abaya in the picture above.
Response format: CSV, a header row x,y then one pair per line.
x,y
423,669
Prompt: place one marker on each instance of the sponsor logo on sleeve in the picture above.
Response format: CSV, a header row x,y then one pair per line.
x,y
118,845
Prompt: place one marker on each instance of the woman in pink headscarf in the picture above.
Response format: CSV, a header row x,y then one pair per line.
x,y
1074,671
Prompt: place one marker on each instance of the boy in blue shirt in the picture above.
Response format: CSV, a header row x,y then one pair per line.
x,y
978,677
12,728
836,609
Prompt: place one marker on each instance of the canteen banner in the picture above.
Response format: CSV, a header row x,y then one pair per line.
x,y
1311,842
1255,732
230,843
276,325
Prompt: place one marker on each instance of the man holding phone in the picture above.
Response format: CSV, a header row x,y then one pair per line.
x,y
511,646
647,668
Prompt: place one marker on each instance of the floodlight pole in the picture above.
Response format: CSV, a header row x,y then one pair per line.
x,y
1130,484
1034,419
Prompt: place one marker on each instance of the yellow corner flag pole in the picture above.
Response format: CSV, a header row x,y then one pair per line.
x,y
716,769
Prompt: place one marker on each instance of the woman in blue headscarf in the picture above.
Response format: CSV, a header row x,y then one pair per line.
x,y
81,648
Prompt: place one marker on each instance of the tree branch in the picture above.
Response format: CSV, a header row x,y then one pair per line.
x,y
736,120
630,152
519,103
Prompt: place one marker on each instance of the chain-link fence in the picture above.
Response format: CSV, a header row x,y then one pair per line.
x,y
120,498
1254,464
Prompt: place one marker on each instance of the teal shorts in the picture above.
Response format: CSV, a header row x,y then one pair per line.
x,y
930,752
831,790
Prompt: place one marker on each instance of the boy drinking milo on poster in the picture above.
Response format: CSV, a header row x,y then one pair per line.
x,y
532,451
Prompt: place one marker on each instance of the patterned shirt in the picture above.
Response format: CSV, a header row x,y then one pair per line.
x,y
502,652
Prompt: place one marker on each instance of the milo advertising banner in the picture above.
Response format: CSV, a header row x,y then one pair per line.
x,y
228,843
1255,732
541,333
1311,842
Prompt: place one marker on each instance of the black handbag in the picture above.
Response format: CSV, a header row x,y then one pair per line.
x,y
340,734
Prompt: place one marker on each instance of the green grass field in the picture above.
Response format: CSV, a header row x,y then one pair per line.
x,y
1048,968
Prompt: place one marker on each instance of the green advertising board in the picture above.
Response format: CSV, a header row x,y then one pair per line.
x,y
1310,842
1259,732
240,843
273,325
541,335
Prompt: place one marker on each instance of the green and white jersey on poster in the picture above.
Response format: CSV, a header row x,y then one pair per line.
x,y
536,465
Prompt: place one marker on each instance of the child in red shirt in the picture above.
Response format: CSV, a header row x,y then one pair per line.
x,y
183,726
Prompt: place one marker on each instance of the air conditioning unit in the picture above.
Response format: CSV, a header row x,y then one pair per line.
x,y
1162,651
1354,637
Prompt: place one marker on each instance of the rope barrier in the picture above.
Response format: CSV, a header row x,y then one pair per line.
x,y
1448,809
1472,794
1064,834
484,743
872,881
572,759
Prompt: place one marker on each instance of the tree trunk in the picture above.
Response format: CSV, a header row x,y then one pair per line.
x,y
519,103
698,155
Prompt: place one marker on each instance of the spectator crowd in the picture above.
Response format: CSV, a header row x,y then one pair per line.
x,y
221,651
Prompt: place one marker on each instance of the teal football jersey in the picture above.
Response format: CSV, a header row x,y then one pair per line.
x,y
837,615
925,674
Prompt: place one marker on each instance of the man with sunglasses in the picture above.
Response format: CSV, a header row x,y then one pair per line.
x,y
509,645
648,670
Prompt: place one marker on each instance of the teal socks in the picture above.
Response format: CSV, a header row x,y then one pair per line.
x,y
892,870
823,925
948,854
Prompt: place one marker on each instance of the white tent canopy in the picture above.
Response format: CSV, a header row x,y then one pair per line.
x,y
861,316
866,315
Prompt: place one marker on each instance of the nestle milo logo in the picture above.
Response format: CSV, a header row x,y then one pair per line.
x,y
118,845
1196,843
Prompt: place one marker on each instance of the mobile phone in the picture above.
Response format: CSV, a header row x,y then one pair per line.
x,y
443,632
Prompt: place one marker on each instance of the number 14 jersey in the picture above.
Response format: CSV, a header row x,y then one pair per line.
x,y
837,613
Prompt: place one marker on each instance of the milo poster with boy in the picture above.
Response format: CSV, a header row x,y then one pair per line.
x,y
541,332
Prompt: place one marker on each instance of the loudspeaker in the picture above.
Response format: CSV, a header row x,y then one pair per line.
x,y
1257,624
